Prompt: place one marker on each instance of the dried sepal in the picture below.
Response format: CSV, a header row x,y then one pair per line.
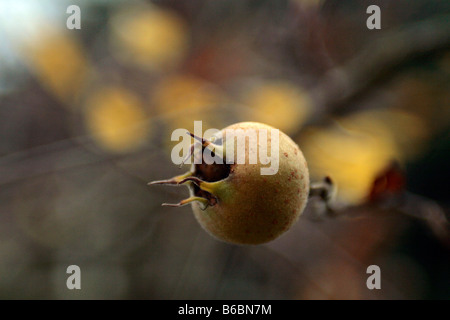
x,y
173,181
187,201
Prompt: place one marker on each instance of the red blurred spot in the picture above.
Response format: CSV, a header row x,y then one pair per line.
x,y
390,182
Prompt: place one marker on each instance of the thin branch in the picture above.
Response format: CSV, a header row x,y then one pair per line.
x,y
379,61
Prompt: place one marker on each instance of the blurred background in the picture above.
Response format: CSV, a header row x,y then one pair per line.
x,y
86,117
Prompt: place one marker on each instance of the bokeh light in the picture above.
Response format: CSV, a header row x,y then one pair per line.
x,y
148,37
352,159
116,119
281,104
59,62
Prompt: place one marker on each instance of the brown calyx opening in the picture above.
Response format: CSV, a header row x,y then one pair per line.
x,y
210,173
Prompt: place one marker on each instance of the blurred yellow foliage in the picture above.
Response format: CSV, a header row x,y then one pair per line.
x,y
148,36
58,61
360,146
406,130
116,119
183,99
278,103
352,160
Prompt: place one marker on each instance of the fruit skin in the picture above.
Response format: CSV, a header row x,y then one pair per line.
x,y
252,208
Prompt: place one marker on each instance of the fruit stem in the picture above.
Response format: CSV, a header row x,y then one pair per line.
x,y
326,191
